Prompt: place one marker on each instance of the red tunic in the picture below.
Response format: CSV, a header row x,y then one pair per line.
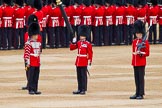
x,y
1,10
108,15
28,11
130,15
160,15
32,52
45,15
141,14
87,15
54,17
68,13
18,18
76,16
138,60
7,16
98,16
152,15
85,52
119,15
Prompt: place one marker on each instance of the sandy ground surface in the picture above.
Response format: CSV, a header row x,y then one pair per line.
x,y
110,84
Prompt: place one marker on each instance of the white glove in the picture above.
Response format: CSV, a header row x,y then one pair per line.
x,y
74,40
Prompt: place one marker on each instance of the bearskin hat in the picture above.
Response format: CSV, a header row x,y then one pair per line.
x,y
141,2
160,2
32,19
87,2
100,2
28,2
118,3
154,2
1,2
20,2
33,29
37,4
78,1
108,1
8,2
83,30
130,1
66,2
49,2
139,27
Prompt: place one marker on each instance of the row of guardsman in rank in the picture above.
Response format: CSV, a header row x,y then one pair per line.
x,y
111,22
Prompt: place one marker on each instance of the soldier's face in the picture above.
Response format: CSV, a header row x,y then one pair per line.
x,y
35,37
82,37
139,35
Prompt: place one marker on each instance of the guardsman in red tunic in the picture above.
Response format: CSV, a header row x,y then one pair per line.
x,y
87,17
119,22
152,15
54,25
49,6
130,17
108,22
18,24
65,34
44,23
1,10
32,53
139,59
7,21
84,56
98,22
76,16
160,22
141,11
31,19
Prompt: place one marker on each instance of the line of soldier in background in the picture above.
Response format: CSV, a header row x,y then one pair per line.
x,y
110,21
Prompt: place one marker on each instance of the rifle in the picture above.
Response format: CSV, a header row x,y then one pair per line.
x,y
142,44
70,29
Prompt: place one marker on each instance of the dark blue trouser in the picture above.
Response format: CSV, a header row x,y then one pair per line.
x,y
154,31
139,73
44,38
129,36
1,36
82,78
54,36
75,31
65,37
108,35
33,77
7,37
160,33
119,34
98,35
19,33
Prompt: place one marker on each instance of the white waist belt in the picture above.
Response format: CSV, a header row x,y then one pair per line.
x,y
19,19
153,17
98,17
86,16
54,18
108,17
130,16
35,55
76,16
141,18
7,18
82,55
119,16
